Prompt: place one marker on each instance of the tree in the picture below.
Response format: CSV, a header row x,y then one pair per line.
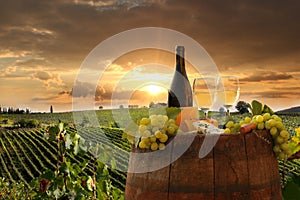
x,y
242,107
222,110
151,104
51,109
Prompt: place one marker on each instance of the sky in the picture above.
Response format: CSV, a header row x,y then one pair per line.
x,y
44,43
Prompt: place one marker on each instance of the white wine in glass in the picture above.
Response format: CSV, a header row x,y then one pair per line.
x,y
228,90
203,92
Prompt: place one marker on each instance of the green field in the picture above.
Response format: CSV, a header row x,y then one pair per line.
x,y
25,154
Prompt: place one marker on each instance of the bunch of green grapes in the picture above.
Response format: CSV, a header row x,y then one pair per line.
x,y
274,124
279,134
233,127
154,132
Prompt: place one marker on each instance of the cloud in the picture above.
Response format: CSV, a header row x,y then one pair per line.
x,y
266,76
64,92
234,33
50,80
272,94
43,98
288,88
105,93
43,76
118,4
85,89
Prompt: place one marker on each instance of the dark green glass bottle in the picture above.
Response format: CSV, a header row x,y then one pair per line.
x,y
180,92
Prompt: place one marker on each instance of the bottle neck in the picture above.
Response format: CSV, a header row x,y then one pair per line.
x,y
180,63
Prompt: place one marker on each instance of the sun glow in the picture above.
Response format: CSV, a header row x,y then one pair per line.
x,y
154,89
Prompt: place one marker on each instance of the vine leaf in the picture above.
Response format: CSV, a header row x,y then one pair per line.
x,y
267,109
256,107
68,141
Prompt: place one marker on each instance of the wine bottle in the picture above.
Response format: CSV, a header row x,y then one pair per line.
x,y
180,92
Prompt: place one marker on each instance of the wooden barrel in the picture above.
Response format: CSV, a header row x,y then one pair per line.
x,y
239,167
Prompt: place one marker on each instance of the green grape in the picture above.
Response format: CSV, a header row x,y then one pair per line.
x,y
242,122
159,117
260,125
145,139
165,128
276,118
273,131
163,138
174,126
161,146
280,125
154,146
259,118
280,140
266,116
288,152
281,155
253,121
142,128
284,146
142,145
171,121
272,122
247,120
153,139
165,117
276,149
227,131
237,127
284,134
229,124
154,129
145,121
163,131
153,117
160,124
158,134
146,133
267,125
154,122
171,130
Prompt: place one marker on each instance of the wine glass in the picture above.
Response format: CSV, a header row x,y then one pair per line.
x,y
228,91
204,92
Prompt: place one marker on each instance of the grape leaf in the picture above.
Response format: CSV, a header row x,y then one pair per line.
x,y
76,148
49,174
53,131
292,189
267,109
257,107
82,144
68,141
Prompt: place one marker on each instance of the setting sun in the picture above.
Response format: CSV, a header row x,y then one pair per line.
x,y
154,89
